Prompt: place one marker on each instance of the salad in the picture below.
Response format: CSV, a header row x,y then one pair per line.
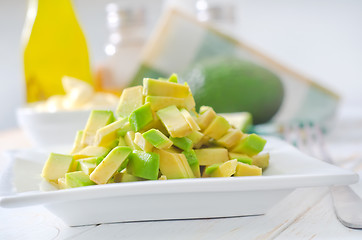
x,y
156,134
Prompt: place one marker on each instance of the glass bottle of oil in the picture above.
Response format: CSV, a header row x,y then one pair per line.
x,y
54,46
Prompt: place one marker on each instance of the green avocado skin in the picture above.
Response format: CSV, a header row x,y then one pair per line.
x,y
229,84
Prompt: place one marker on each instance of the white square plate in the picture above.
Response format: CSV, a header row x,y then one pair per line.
x,y
21,185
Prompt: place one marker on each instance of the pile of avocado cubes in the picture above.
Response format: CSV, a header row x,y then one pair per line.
x,y
156,135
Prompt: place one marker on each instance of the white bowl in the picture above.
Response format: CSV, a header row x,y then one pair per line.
x,y
46,129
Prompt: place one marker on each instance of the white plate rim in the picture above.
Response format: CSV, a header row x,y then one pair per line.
x,y
338,176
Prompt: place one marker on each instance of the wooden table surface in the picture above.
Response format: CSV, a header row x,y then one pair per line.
x,y
304,214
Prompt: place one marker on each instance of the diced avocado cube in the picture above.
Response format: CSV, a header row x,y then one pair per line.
x,y
106,135
173,78
155,87
77,179
157,139
261,160
210,169
174,165
226,169
210,156
140,117
186,165
250,144
191,157
206,117
87,165
140,141
124,176
174,122
243,169
159,102
110,164
75,166
126,128
231,138
56,166
241,157
193,162
131,99
77,145
144,165
183,143
129,139
190,120
96,120
95,160
217,128
91,151
195,137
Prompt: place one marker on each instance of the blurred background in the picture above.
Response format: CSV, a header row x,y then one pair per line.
x,y
320,39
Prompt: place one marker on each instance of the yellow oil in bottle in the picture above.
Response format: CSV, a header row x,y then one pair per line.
x,y
54,46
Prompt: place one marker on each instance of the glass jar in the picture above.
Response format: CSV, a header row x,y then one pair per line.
x,y
127,35
218,13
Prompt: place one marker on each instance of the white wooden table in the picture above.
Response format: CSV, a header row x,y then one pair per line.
x,y
304,214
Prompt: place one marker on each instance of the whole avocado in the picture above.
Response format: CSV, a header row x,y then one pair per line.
x,y
229,84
